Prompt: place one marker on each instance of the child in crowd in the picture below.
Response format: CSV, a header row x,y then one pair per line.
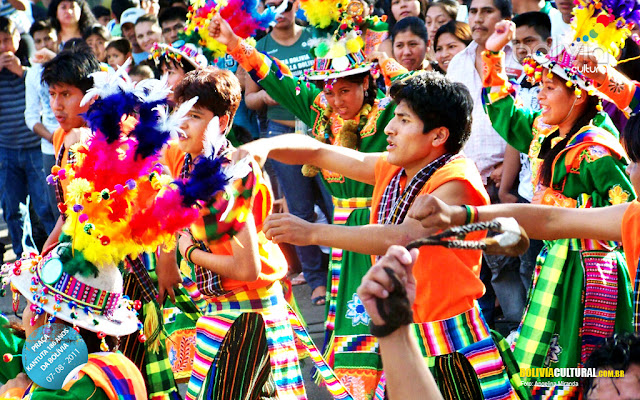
x,y
140,72
118,51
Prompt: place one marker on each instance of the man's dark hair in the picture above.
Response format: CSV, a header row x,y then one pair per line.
x,y
40,25
218,91
72,67
120,6
120,44
631,138
539,21
504,6
101,11
98,30
438,102
147,18
86,16
172,14
617,352
7,26
412,24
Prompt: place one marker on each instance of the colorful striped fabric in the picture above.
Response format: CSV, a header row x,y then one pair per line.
x,y
334,385
556,393
115,374
220,314
469,335
601,298
636,301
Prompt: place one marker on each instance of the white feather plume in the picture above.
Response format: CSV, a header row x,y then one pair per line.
x,y
213,138
107,83
151,90
172,122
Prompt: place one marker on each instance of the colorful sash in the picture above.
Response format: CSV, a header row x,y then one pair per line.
x,y
636,300
469,335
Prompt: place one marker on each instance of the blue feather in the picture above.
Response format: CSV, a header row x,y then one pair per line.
x,y
105,114
204,181
150,138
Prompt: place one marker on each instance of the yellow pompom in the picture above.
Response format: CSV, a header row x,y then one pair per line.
x,y
77,188
577,92
569,83
353,46
337,51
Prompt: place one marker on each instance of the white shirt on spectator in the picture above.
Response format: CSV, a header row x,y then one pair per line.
x,y
37,106
485,146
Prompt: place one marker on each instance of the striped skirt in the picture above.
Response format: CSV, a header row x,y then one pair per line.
x,y
463,358
248,334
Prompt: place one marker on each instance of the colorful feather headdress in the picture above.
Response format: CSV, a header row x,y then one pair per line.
x,y
342,54
598,28
242,16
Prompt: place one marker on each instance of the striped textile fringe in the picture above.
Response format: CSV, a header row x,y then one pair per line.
x,y
342,209
469,335
335,387
601,298
220,314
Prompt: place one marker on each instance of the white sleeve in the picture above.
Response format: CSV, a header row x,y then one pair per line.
x,y
33,108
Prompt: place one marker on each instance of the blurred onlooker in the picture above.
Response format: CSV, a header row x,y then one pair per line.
x,y
38,114
172,21
399,9
439,13
450,39
118,51
560,23
70,18
102,14
176,62
410,42
22,172
118,7
150,7
97,37
140,72
147,32
127,25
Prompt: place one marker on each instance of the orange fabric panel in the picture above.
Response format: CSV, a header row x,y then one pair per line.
x,y
631,237
448,280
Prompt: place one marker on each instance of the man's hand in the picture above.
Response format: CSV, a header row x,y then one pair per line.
x,y
435,213
76,135
220,30
287,228
377,56
496,175
42,56
377,284
12,63
505,31
256,149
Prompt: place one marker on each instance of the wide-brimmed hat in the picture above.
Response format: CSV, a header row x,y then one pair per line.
x,y
342,54
93,302
599,29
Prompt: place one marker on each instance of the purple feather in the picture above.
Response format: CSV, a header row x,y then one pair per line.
x,y
105,114
150,138
204,181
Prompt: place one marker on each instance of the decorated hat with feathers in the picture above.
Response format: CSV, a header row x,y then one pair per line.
x,y
118,204
598,28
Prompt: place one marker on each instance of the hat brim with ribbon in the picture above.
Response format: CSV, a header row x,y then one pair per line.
x,y
94,303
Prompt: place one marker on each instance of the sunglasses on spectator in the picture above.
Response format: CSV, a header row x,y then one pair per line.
x,y
273,7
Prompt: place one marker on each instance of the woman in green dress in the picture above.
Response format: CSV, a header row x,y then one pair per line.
x,y
341,103
581,292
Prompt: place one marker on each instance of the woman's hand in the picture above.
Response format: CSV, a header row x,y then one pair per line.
x,y
505,32
220,30
287,228
42,56
377,56
21,382
168,275
377,284
589,66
